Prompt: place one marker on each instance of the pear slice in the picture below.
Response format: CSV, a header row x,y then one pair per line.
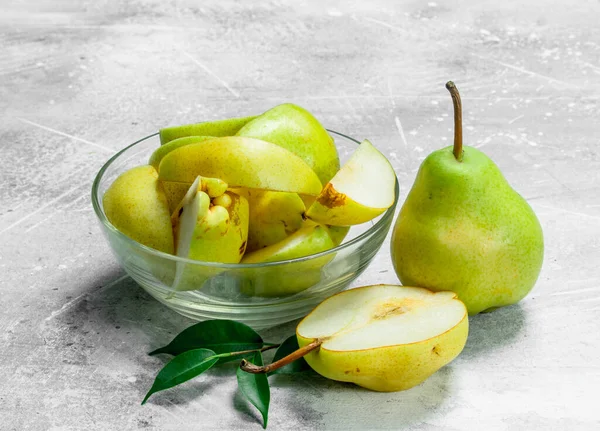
x,y
210,231
175,192
135,203
163,150
384,337
227,127
273,216
293,277
361,190
304,242
241,162
294,128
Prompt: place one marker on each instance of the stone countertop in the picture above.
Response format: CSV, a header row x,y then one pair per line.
x,y
82,79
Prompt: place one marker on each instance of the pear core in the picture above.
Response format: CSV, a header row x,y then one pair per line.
x,y
385,316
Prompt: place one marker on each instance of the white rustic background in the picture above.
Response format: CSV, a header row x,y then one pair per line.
x,y
81,79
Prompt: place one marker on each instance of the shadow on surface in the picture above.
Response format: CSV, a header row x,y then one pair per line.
x,y
491,331
313,399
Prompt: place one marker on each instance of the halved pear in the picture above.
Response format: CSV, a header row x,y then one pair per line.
x,y
228,127
361,190
242,163
163,150
384,337
209,230
135,203
293,277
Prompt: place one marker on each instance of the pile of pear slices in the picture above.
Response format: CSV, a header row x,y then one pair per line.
x,y
250,190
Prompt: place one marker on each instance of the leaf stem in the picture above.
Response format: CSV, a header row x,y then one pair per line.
x,y
245,352
249,367
458,138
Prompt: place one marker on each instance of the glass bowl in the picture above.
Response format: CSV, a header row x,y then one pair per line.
x,y
260,295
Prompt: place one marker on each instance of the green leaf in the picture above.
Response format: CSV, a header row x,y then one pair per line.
x,y
220,336
255,388
181,369
288,346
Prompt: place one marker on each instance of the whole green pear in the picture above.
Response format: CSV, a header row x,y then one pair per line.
x,y
464,229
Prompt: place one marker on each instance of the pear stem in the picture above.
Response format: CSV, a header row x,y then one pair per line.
x,y
249,367
458,138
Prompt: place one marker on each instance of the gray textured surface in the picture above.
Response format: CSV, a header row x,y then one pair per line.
x,y
79,80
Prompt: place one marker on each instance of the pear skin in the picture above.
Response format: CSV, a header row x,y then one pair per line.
x,y
241,162
464,229
163,150
227,127
294,277
273,216
297,130
136,205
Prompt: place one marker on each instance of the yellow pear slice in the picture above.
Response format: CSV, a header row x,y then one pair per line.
x,y
163,150
210,231
175,192
384,338
361,190
135,203
273,216
241,162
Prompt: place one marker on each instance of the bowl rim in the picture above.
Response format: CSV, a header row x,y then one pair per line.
x,y
98,209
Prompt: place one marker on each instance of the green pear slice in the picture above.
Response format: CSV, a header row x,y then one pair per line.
x,y
163,150
135,203
228,127
384,337
293,277
241,162
304,242
361,190
297,130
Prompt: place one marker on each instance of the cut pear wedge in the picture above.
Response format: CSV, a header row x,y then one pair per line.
x,y
163,150
227,127
384,337
241,162
293,277
361,190
304,242
208,230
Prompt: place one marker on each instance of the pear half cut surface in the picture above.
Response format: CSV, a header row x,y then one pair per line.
x,y
361,190
241,162
384,337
